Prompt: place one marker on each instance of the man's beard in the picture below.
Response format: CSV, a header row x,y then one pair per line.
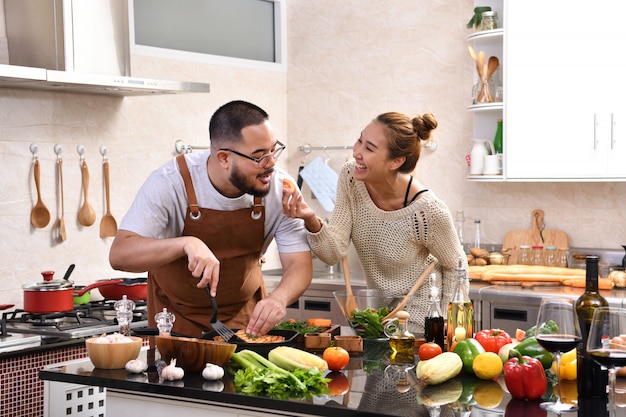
x,y
243,184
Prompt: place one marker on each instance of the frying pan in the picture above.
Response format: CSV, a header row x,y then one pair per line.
x,y
135,289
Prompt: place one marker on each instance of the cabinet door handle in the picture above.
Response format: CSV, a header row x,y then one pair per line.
x,y
509,314
316,305
612,137
595,133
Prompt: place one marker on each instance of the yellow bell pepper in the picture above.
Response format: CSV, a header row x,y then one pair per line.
x,y
568,366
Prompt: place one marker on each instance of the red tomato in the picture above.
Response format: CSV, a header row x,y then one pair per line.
x,y
428,350
336,357
339,383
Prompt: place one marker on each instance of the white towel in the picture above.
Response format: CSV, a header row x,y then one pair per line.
x,y
323,182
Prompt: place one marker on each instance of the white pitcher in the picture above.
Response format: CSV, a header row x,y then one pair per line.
x,y
481,148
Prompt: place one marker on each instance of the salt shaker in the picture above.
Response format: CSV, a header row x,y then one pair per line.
x,y
124,310
165,321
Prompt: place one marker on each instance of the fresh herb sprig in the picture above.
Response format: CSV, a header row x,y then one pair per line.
x,y
302,327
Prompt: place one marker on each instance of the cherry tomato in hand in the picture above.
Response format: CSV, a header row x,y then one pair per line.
x,y
288,185
428,351
336,357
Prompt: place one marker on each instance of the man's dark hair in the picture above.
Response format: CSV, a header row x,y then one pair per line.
x,y
227,121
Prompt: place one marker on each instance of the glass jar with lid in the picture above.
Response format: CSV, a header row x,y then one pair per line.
x,y
537,256
561,257
489,20
551,258
524,255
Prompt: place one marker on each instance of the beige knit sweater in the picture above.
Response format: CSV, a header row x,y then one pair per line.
x,y
394,247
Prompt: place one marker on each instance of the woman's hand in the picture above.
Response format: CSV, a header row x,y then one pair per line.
x,y
294,205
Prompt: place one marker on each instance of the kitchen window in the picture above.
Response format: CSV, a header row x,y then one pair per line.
x,y
243,33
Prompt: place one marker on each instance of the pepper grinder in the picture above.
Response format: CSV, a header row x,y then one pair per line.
x,y
165,321
124,310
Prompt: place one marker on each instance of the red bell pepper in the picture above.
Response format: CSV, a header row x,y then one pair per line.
x,y
493,339
525,378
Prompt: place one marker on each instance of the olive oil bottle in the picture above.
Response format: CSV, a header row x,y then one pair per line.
x,y
460,309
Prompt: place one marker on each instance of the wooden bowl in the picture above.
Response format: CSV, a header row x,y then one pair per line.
x,y
113,355
193,354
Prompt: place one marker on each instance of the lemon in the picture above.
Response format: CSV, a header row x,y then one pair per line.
x,y
488,394
487,365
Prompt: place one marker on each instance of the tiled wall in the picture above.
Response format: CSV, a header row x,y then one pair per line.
x,y
22,390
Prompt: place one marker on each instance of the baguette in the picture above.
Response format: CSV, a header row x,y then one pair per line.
x,y
530,273
603,283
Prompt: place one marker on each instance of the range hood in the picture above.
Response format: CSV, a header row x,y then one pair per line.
x,y
15,76
76,46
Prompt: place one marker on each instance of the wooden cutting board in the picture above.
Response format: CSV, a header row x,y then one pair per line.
x,y
536,235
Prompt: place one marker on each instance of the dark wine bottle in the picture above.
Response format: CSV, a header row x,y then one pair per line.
x,y
592,379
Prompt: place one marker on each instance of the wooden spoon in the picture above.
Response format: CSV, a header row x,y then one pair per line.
x,y
351,303
108,226
412,292
40,215
480,64
62,233
86,214
492,65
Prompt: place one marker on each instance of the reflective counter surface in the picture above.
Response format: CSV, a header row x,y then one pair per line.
x,y
371,385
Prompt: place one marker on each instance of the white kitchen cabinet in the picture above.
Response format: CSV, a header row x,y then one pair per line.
x,y
565,117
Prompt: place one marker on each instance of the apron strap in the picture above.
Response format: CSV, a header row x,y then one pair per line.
x,y
257,209
191,193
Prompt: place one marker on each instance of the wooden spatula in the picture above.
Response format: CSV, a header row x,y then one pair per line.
x,y
351,303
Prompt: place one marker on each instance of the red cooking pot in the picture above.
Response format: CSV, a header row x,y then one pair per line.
x,y
135,289
53,295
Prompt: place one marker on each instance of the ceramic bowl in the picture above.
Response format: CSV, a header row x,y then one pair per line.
x,y
193,354
113,355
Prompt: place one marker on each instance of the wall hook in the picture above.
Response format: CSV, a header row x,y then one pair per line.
x,y
34,149
58,149
81,151
103,152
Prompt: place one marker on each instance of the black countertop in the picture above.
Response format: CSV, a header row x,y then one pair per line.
x,y
373,391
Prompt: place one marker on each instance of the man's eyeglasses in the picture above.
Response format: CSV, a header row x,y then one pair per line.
x,y
263,160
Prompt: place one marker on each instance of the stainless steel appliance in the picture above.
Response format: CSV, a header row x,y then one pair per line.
x,y
509,307
20,329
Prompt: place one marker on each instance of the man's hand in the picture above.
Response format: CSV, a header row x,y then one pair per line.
x,y
267,313
202,264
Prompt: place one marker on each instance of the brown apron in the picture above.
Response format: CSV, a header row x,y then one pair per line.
x,y
236,238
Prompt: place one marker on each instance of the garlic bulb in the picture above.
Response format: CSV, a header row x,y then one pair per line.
x,y
172,372
136,366
212,372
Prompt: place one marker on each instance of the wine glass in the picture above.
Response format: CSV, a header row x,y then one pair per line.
x,y
607,343
560,311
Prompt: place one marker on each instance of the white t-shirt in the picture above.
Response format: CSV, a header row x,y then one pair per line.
x,y
160,206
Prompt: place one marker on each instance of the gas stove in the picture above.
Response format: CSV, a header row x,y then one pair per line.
x,y
19,328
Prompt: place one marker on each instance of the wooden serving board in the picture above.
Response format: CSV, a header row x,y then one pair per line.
x,y
536,235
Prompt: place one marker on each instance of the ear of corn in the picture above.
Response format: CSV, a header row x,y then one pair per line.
x,y
291,358
439,369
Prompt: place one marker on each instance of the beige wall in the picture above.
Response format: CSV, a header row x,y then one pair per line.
x,y
348,61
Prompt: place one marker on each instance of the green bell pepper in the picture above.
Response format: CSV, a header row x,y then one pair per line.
x,y
468,349
530,347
